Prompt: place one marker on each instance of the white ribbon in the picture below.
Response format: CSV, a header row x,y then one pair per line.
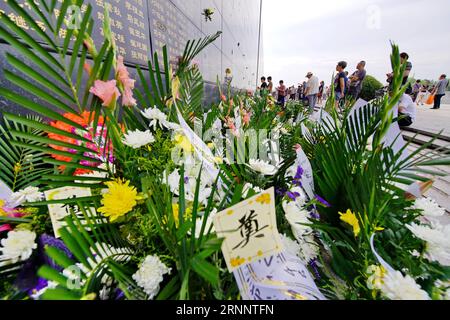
x,y
201,149
379,258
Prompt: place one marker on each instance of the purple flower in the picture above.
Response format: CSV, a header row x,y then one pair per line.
x,y
280,191
47,240
119,294
313,265
322,201
41,284
314,214
293,195
298,177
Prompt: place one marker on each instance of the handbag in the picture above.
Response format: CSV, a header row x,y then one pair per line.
x,y
430,99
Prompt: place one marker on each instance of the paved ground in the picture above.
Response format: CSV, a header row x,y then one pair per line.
x,y
433,120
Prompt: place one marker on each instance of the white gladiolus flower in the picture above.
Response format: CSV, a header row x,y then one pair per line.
x,y
395,286
137,139
29,194
262,167
173,181
156,116
429,207
150,275
18,246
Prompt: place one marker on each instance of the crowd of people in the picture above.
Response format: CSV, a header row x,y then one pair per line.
x,y
314,92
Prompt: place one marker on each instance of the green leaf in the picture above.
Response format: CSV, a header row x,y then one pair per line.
x,y
205,270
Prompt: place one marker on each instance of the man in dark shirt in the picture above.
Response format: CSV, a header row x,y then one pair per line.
x,y
263,83
356,80
340,81
403,59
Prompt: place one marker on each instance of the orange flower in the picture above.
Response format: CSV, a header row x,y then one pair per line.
x,y
83,120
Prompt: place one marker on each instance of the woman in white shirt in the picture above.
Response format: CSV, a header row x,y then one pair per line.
x,y
406,111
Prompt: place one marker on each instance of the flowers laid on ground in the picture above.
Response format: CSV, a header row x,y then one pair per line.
x,y
156,170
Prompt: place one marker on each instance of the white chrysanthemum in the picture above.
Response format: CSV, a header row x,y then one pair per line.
x,y
437,241
290,246
150,275
262,167
156,116
437,236
297,218
309,249
395,286
137,139
18,246
429,207
438,254
29,194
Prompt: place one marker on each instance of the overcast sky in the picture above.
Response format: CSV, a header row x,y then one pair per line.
x,y
313,35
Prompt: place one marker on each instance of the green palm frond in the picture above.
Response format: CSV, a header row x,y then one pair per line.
x,y
21,161
158,91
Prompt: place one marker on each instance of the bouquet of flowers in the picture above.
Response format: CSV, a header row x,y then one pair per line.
x,y
113,193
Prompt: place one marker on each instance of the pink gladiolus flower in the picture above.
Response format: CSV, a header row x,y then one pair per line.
x,y
107,91
128,99
246,118
123,76
87,67
122,73
230,123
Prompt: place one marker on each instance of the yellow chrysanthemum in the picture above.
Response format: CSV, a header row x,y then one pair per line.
x,y
119,200
350,218
263,199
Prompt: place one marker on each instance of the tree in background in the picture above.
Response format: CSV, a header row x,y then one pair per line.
x,y
370,86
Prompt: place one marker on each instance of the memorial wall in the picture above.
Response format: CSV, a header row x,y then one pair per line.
x,y
141,27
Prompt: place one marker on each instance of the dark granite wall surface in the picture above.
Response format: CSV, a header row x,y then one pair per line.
x,y
143,26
